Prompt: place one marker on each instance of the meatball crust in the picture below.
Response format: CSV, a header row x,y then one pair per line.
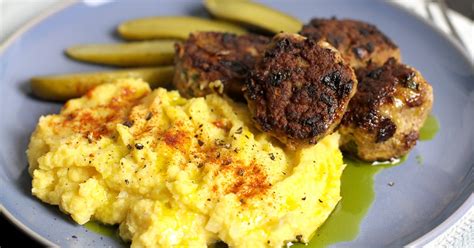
x,y
385,115
299,89
206,57
359,42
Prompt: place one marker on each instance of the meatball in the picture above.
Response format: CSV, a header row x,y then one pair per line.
x,y
385,115
210,62
299,89
359,42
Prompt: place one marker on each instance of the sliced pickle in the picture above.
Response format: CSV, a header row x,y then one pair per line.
x,y
67,86
173,27
254,14
146,53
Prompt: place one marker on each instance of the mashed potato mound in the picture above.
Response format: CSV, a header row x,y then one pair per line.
x,y
180,172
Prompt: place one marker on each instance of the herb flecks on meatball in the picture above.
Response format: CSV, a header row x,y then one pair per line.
x,y
209,62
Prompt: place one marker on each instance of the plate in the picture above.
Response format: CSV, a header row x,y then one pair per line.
x,y
424,194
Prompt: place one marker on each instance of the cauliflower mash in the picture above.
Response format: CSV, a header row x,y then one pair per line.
x,y
180,172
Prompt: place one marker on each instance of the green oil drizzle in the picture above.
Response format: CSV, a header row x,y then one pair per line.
x,y
357,191
429,129
102,229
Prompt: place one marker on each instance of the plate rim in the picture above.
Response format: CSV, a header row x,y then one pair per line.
x,y
444,226
27,26
431,235
464,208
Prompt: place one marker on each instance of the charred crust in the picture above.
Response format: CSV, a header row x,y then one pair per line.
x,y
209,56
409,139
379,85
345,31
386,130
349,36
299,89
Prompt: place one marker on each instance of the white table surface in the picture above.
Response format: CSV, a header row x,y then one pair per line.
x,y
15,13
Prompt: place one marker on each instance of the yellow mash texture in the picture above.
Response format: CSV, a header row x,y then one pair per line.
x,y
180,172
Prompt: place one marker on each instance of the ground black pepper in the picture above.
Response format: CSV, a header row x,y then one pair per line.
x,y
272,156
128,123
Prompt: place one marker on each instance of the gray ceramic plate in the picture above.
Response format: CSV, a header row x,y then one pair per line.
x,y
423,197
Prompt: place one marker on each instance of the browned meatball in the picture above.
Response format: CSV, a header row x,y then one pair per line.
x,y
385,115
210,56
359,42
299,89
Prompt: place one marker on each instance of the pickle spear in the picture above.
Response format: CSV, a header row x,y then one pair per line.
x,y
144,53
173,27
253,14
67,86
